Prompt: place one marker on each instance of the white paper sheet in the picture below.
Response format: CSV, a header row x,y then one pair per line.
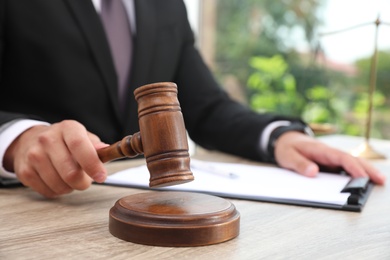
x,y
247,182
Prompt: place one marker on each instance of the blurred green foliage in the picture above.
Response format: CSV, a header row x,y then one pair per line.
x,y
273,89
256,43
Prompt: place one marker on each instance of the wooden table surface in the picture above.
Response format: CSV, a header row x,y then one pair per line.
x,y
75,226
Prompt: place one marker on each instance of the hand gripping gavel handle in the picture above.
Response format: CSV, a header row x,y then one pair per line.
x,y
130,146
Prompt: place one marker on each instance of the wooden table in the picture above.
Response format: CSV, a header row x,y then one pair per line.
x,y
76,226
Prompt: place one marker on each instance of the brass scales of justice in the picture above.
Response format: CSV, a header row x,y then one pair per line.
x,y
166,218
365,150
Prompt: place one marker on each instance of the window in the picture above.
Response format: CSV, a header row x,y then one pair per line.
x,y
274,56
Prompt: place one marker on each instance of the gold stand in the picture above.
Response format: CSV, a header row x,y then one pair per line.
x,y
365,150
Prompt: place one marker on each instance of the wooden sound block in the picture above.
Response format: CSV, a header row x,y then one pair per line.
x,y
176,219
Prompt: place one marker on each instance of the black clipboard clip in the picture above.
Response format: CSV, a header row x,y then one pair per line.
x,y
358,188
8,183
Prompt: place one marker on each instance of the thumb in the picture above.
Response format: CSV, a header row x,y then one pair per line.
x,y
97,143
100,145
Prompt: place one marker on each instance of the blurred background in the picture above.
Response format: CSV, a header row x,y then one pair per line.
x,y
307,58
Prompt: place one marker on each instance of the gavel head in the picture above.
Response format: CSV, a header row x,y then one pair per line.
x,y
163,134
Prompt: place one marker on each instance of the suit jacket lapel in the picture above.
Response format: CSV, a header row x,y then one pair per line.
x,y
144,45
144,41
90,24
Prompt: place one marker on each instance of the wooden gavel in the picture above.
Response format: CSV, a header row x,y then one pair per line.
x,y
166,218
162,137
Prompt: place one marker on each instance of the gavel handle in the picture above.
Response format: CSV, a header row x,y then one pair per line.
x,y
130,146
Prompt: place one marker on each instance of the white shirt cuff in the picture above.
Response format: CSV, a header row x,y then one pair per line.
x,y
265,136
8,133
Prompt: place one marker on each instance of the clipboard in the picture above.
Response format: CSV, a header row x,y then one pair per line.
x,y
9,183
262,183
355,202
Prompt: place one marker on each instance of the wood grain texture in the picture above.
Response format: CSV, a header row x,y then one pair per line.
x,y
76,226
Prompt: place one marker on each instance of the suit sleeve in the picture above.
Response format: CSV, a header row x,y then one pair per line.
x,y
214,120
5,116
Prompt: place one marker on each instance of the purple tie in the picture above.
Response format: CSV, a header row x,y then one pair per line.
x,y
117,27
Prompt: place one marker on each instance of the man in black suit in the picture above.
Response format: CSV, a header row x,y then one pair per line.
x,y
59,101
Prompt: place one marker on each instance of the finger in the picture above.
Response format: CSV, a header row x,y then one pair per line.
x,y
293,160
25,169
52,179
67,169
55,164
356,167
72,174
94,138
368,170
331,157
97,143
84,153
376,176
30,178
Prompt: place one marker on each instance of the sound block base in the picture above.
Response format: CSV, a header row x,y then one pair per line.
x,y
175,219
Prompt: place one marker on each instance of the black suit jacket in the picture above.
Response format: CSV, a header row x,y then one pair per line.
x,y
55,64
